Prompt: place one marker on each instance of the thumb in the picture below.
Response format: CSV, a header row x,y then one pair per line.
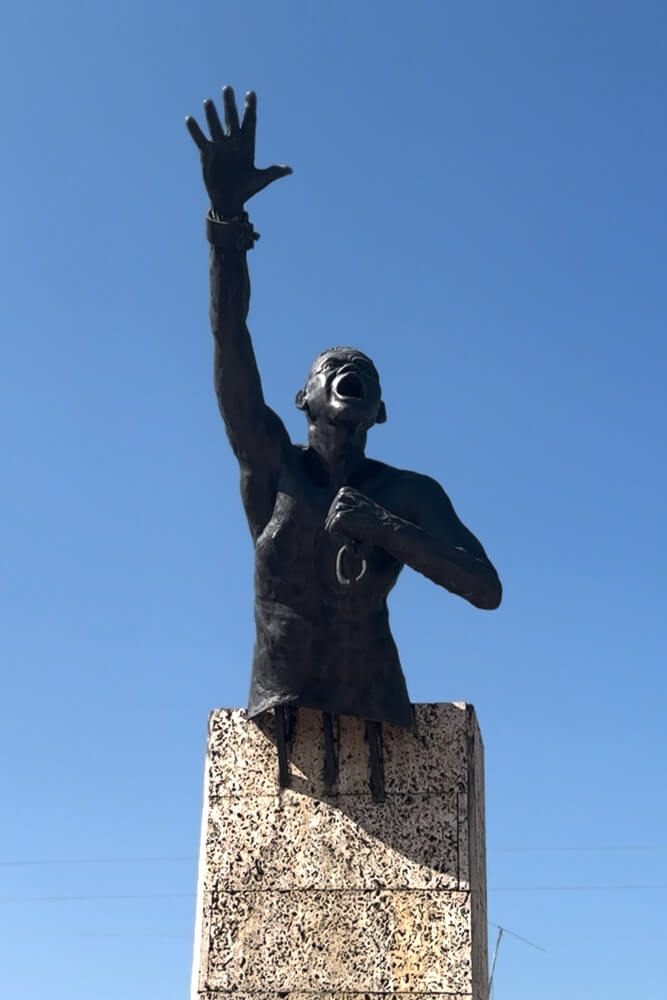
x,y
267,176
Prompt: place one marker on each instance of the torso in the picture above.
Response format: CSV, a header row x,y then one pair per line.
x,y
322,643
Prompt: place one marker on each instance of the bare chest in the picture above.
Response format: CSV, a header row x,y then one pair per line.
x,y
297,560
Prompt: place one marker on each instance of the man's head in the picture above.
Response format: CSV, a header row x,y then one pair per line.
x,y
343,386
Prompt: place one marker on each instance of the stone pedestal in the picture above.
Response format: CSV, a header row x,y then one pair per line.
x,y
322,892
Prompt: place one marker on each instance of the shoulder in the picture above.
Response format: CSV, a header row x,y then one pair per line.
x,y
407,480
412,492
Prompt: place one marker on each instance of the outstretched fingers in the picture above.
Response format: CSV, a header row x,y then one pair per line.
x,y
249,125
198,136
231,114
228,156
214,124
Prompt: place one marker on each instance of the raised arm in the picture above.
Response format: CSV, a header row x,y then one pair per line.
x,y
255,432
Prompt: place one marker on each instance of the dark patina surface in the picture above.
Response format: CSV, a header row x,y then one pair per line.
x,y
332,528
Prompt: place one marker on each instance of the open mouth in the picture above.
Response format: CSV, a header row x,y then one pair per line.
x,y
349,386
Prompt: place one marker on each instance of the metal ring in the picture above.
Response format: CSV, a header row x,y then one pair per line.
x,y
340,576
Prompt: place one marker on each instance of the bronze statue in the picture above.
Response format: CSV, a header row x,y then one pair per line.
x,y
332,528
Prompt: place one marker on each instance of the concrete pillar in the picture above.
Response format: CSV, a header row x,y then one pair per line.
x,y
309,891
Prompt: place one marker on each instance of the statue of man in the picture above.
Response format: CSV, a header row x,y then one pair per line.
x,y
332,528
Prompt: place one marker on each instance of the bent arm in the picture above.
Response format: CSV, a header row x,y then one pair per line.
x,y
441,547
255,432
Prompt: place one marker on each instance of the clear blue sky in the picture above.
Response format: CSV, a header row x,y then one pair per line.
x,y
478,201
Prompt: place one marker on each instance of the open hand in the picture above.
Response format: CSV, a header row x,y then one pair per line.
x,y
354,516
228,157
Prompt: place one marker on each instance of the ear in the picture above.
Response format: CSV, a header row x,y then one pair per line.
x,y
300,400
382,414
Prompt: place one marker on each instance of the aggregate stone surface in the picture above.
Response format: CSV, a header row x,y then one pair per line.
x,y
326,995
243,758
297,842
375,941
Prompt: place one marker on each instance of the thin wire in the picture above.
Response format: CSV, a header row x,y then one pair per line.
x,y
501,931
60,899
190,895
96,861
192,857
109,934
595,849
518,937
576,888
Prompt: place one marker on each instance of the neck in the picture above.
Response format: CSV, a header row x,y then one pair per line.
x,y
340,449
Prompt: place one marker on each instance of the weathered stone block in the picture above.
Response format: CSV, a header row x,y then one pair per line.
x,y
369,941
350,843
327,893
